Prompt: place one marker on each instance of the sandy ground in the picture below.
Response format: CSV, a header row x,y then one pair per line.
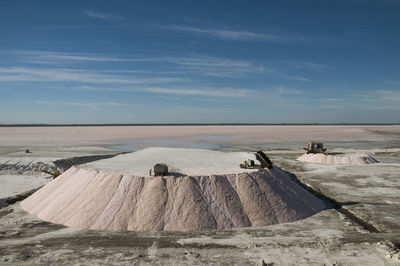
x,y
369,192
327,238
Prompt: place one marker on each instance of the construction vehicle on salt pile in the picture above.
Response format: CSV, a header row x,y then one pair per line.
x,y
54,174
160,169
315,147
262,158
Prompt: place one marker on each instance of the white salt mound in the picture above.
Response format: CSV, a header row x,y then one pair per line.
x,y
185,161
91,198
334,159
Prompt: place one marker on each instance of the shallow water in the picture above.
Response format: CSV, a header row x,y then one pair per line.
x,y
139,144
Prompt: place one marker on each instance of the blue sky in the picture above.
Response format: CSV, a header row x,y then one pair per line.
x,y
200,61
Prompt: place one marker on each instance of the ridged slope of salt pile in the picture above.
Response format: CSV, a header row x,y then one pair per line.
x,y
94,198
334,159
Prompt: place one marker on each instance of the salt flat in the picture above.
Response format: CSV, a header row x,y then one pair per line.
x,y
369,192
12,185
224,135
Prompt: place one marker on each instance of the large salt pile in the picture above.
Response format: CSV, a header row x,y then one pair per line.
x,y
335,159
105,195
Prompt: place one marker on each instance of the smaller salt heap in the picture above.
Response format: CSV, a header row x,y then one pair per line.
x,y
322,158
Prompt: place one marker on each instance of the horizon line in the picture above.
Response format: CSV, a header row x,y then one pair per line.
x,y
196,124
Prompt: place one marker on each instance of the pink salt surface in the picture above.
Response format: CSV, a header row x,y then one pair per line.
x,y
240,134
92,198
335,159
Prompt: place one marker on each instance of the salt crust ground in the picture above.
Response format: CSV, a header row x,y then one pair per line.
x,y
335,159
14,184
94,198
14,160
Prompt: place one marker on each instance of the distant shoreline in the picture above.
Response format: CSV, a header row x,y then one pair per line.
x,y
201,124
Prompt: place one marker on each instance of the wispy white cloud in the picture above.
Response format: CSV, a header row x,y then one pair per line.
x,y
61,27
393,82
331,106
304,64
227,92
100,15
293,77
88,104
53,57
281,74
331,99
389,95
204,64
234,34
285,90
214,66
208,92
377,107
380,100
75,75
201,109
359,33
195,64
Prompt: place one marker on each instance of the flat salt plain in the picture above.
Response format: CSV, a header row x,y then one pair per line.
x,y
370,192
